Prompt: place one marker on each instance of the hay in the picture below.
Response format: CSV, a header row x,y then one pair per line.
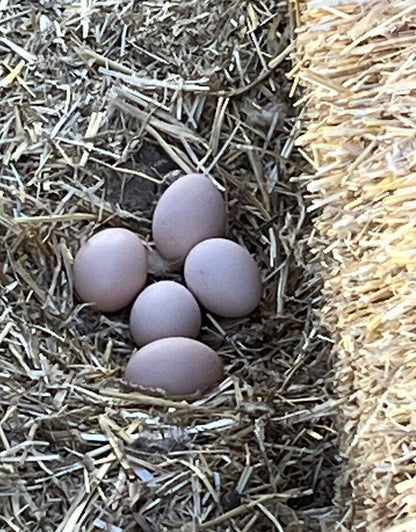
x,y
102,104
356,60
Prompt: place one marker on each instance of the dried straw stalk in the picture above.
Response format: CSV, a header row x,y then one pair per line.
x,y
357,62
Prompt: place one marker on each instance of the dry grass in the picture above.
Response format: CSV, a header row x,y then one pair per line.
x,y
357,62
102,103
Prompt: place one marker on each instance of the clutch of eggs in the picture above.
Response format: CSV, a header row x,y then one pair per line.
x,y
189,226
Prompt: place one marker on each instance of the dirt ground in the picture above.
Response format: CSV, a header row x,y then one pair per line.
x,y
103,104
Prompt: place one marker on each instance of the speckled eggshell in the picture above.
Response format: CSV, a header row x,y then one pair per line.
x,y
223,277
175,367
164,309
189,211
110,269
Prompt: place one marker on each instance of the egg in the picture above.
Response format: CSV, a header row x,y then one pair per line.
x,y
174,367
110,269
223,277
164,309
189,211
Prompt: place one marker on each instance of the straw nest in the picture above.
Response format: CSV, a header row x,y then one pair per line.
x,y
103,103
357,62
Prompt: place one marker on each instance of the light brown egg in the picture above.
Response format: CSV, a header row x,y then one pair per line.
x,y
164,309
110,269
176,367
190,210
223,277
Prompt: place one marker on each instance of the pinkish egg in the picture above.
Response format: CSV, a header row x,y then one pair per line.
x,y
223,277
190,210
175,367
110,269
164,309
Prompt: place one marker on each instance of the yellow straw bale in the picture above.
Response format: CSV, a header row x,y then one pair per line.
x,y
357,61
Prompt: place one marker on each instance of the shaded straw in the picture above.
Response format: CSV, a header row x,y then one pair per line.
x,y
357,62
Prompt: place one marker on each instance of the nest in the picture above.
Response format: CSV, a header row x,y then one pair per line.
x,y
357,62
103,104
